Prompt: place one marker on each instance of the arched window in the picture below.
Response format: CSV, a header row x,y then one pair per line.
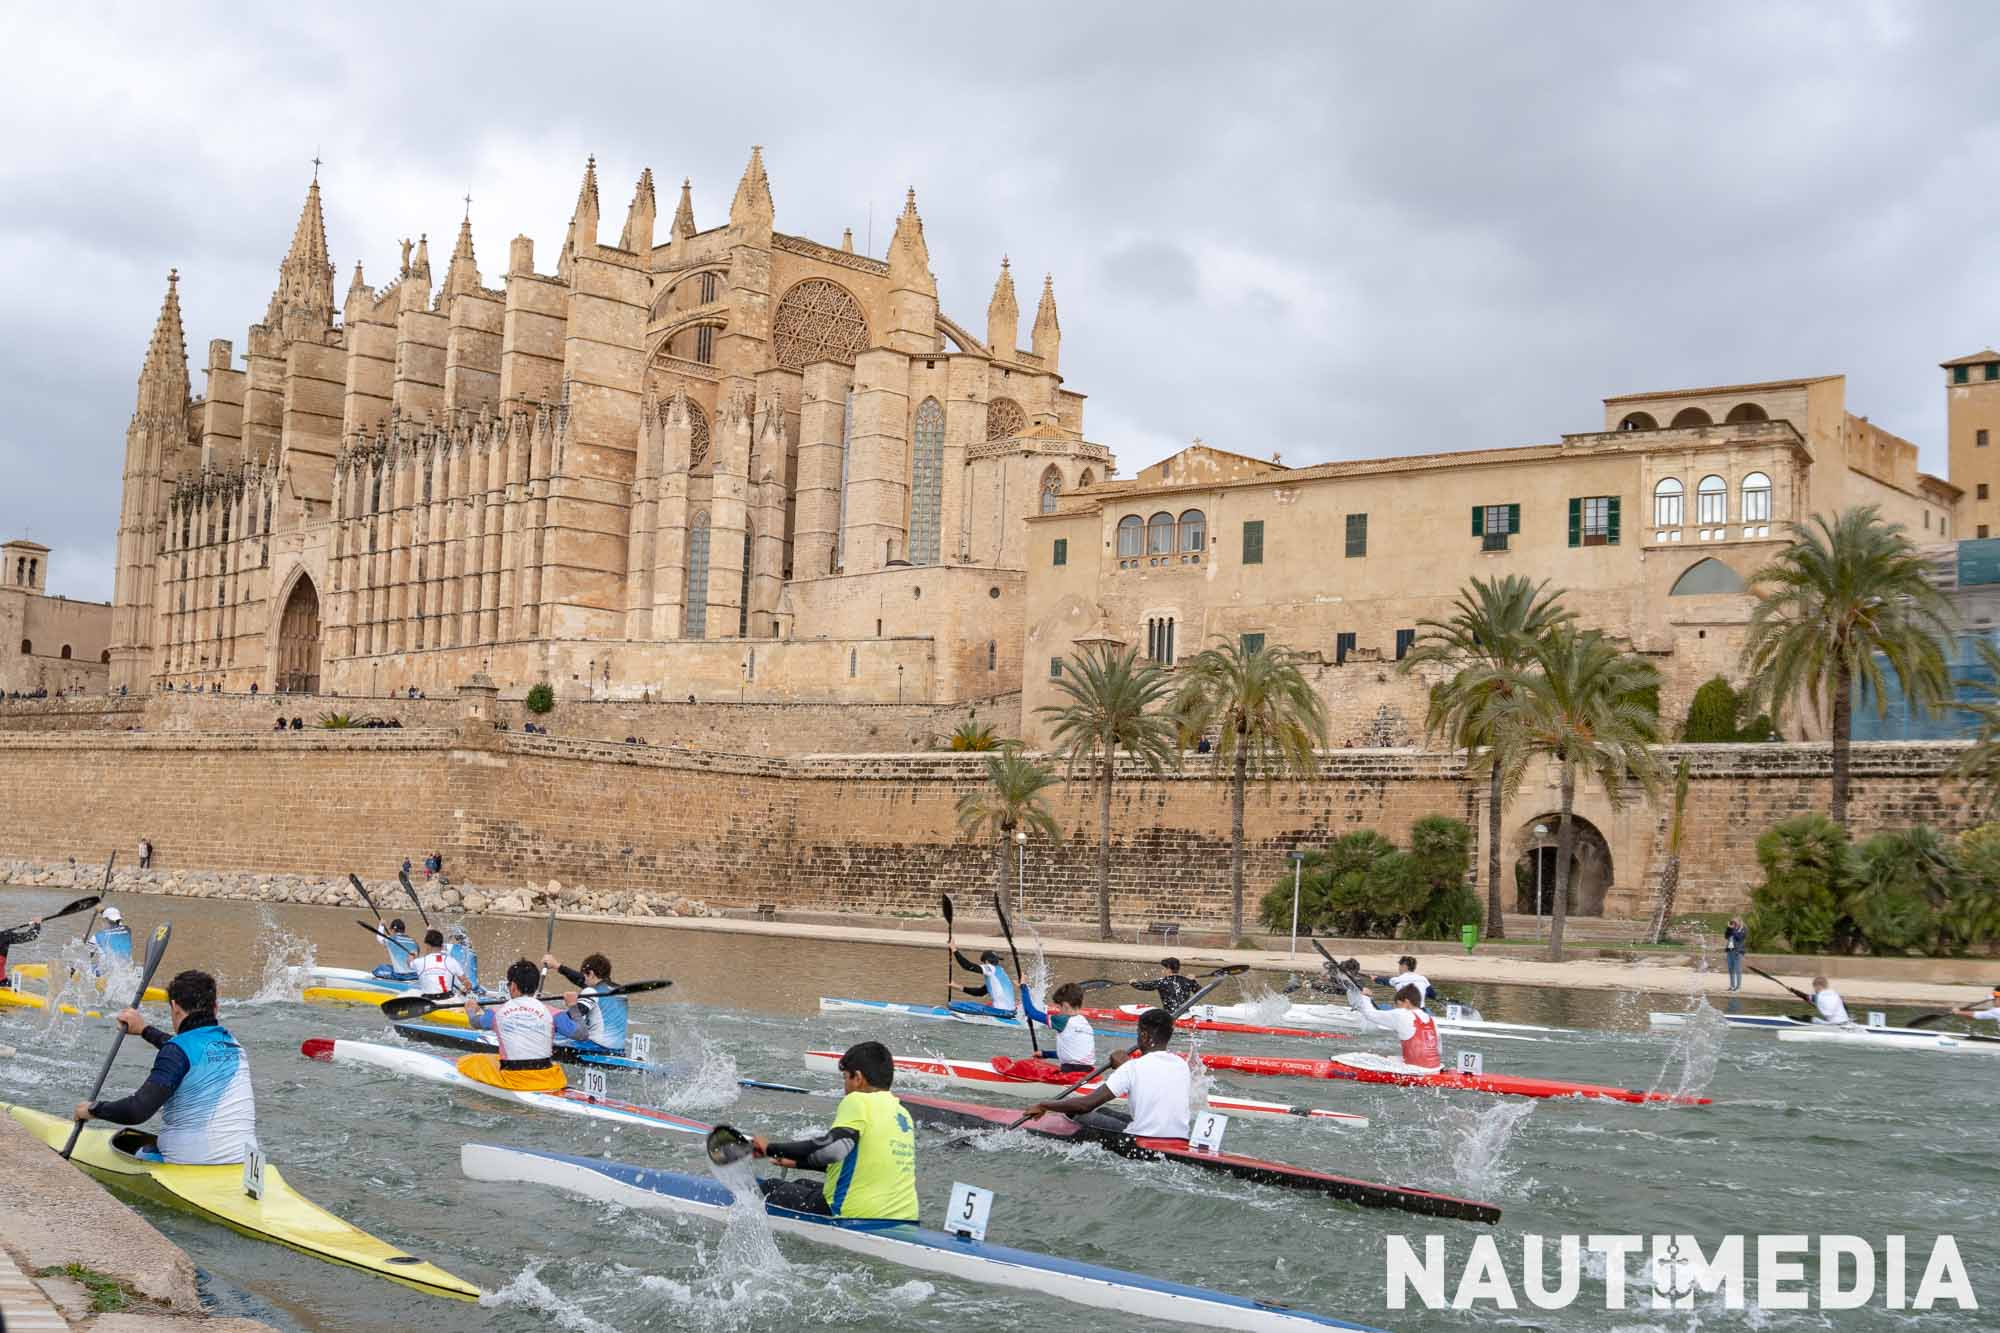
x,y
1692,416
1131,536
1638,421
694,619
1669,503
1745,412
65,652
34,570
1051,490
20,569
1707,576
105,657
1194,530
1004,419
817,321
27,647
1088,478
1160,534
1711,501
927,483
1756,498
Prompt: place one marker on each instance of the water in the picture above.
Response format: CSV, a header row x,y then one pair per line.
x,y
1801,1139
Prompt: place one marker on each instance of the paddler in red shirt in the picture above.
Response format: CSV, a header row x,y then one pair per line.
x,y
1416,1029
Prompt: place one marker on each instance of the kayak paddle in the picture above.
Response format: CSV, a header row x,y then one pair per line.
x,y
950,947
1774,981
1020,978
156,950
362,889
548,947
727,1145
88,925
1220,975
398,1008
74,907
411,889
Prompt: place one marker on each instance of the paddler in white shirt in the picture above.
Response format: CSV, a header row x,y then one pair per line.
x,y
1829,1008
1409,976
1991,1012
438,972
526,1032
1155,1082
1416,1029
1076,1042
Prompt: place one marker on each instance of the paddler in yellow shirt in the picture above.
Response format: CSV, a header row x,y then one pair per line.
x,y
869,1153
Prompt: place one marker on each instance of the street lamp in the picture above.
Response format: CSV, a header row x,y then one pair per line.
x,y
1298,862
1541,831
1020,874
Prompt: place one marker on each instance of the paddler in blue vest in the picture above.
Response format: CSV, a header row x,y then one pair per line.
x,y
589,1021
199,1085
869,1153
402,954
112,946
1001,996
525,1032
462,952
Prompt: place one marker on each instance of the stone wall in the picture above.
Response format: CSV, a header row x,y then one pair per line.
x,y
866,833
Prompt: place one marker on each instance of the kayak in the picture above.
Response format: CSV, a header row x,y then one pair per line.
x,y
440,1069
966,1115
1340,1016
374,999
27,999
1899,1041
1506,1085
1786,1023
1039,1078
40,972
904,1243
281,1215
467,1039
1101,1019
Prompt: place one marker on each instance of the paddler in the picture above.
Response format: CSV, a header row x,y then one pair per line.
x,y
1076,1043
112,946
17,935
1156,1083
1991,1012
468,960
402,954
1416,1029
199,1084
869,1153
1173,989
526,1032
1002,998
589,1021
438,973
1828,1007
1409,976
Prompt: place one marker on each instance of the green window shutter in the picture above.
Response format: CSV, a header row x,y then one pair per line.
x,y
1253,541
1062,551
1513,518
1575,521
1611,522
1479,520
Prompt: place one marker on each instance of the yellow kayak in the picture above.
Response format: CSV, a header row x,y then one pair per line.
x,y
282,1215
373,999
27,999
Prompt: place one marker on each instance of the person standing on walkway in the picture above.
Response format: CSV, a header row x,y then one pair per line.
x,y
145,853
1734,937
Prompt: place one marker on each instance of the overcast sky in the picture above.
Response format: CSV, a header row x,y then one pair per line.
x,y
1338,231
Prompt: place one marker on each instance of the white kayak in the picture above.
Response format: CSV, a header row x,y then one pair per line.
x,y
904,1243
442,1069
1783,1023
1452,1018
1891,1041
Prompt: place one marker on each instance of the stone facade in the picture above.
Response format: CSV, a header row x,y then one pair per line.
x,y
48,643
735,460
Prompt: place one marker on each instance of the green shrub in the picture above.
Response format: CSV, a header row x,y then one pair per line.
x,y
541,698
1364,886
1805,861
1712,713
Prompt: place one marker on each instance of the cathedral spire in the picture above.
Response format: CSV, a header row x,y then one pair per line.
x,y
637,238
583,220
752,205
462,274
163,379
1003,315
1048,332
909,257
684,215
302,305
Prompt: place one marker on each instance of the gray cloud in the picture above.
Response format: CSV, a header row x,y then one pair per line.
x,y
1333,231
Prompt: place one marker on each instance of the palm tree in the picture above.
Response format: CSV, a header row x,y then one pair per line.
x,y
1585,702
1112,699
1492,630
1670,875
1265,713
1011,798
1844,597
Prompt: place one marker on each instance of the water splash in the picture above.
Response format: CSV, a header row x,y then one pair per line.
x,y
1477,1139
1270,1006
527,1291
1696,1048
704,1072
287,963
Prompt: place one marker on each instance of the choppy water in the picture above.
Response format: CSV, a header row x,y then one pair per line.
x,y
1800,1140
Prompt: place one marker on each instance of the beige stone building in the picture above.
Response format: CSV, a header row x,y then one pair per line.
x,y
727,461
1649,526
1972,425
47,643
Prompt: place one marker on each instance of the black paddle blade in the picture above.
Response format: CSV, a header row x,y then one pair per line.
x,y
1097,983
726,1146
411,889
1924,1020
399,1007
947,909
80,905
1322,951
1233,970
362,889
156,950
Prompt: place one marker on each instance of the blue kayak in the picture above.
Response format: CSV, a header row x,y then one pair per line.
x,y
468,1039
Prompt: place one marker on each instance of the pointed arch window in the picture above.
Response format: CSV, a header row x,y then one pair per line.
x,y
694,617
927,483
743,597
1051,490
1669,502
1756,498
1711,500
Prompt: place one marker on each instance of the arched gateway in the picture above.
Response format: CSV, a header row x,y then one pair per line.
x,y
298,640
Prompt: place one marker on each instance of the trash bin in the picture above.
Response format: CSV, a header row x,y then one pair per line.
x,y
1470,934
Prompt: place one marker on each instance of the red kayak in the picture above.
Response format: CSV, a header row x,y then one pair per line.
x,y
1118,1018
1506,1085
967,1115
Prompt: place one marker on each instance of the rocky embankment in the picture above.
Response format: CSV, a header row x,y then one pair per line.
x,y
255,886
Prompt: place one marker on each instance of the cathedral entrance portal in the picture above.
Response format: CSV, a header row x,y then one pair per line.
x,y
298,640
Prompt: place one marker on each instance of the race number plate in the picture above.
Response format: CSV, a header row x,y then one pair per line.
x,y
967,1213
594,1085
1471,1063
1209,1128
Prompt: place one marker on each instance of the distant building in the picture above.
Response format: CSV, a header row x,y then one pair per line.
x,y
47,643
